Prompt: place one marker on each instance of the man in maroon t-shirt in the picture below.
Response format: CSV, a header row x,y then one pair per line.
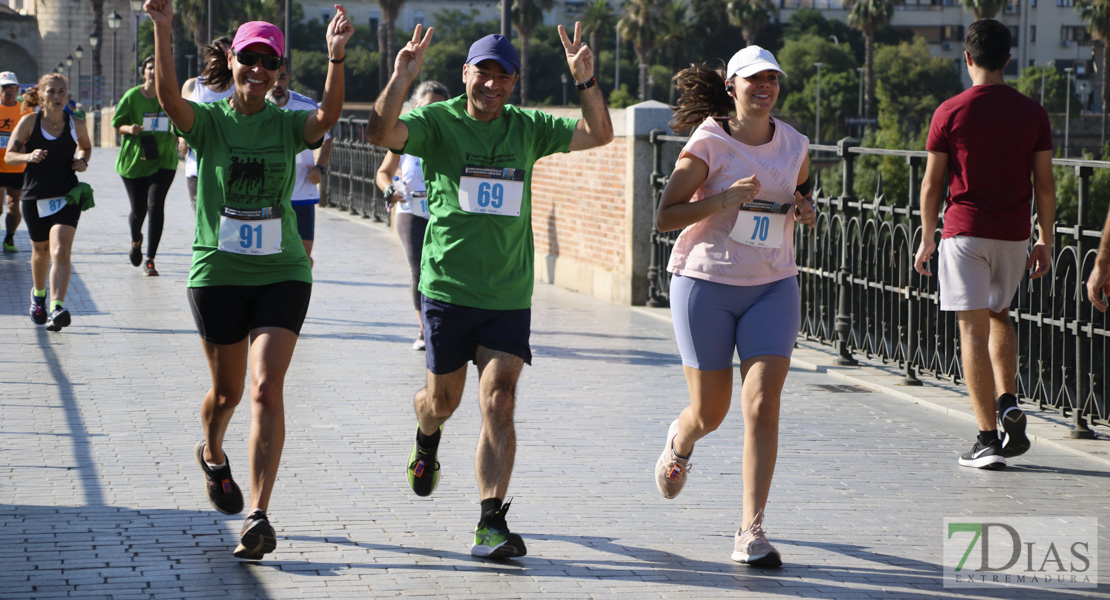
x,y
990,139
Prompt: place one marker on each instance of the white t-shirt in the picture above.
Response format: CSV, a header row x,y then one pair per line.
x,y
412,175
709,249
303,191
202,94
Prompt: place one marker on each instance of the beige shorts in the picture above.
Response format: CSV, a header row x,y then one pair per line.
x,y
977,273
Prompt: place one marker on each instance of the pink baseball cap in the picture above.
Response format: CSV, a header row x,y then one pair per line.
x,y
259,32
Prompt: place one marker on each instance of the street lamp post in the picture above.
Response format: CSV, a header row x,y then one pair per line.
x,y
69,69
94,41
817,136
114,21
137,10
617,75
77,53
1067,110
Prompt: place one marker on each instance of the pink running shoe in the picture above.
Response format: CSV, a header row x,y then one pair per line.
x,y
670,469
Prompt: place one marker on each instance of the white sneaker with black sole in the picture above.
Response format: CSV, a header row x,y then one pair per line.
x,y
984,456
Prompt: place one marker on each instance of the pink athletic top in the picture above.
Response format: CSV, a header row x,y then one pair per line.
x,y
704,250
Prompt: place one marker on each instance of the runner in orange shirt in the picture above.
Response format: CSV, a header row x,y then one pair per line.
x,y
11,176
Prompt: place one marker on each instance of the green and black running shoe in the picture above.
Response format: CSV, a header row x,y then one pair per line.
x,y
492,538
423,471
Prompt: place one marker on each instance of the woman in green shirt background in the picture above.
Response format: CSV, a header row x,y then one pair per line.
x,y
147,162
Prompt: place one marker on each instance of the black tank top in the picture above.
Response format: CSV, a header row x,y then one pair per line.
x,y
54,176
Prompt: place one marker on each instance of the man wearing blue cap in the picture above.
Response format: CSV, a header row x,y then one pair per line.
x,y
477,269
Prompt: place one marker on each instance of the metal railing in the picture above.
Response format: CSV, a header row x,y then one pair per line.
x,y
862,296
354,164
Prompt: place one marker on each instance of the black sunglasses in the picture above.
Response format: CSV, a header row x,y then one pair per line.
x,y
271,62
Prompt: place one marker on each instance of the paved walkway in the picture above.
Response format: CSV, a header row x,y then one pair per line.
x,y
101,497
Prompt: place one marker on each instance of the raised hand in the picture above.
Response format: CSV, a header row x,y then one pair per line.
x,y
160,11
580,58
339,32
411,58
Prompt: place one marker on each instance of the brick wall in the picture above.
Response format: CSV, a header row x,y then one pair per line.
x,y
579,207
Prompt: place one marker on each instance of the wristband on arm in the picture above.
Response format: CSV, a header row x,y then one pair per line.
x,y
805,188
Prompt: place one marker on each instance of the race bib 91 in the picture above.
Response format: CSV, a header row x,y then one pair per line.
x,y
251,232
761,223
491,190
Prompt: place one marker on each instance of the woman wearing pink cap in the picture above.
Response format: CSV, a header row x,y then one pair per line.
x,y
739,185
250,280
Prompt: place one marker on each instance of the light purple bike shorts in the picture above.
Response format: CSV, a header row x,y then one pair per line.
x,y
712,319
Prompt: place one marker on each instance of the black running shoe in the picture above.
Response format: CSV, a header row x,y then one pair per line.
x,y
136,254
257,537
1012,423
38,310
984,457
423,470
492,538
223,493
59,318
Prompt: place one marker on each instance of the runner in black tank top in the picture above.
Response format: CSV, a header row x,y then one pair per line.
x,y
52,165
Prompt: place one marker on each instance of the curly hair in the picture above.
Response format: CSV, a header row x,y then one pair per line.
x,y
702,94
33,96
216,73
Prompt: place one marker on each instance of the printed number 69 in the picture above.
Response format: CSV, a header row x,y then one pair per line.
x,y
762,226
491,194
247,236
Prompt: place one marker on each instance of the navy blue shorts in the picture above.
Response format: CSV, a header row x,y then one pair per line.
x,y
452,333
225,314
306,221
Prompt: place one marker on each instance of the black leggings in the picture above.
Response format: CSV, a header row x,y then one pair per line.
x,y
148,194
411,228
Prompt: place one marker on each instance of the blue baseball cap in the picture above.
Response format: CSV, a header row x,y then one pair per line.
x,y
497,47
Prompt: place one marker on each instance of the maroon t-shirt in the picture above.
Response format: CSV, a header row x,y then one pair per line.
x,y
989,133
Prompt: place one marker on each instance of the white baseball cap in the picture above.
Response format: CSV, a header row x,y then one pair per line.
x,y
752,60
8,78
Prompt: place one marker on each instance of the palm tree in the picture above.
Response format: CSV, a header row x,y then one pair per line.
x,y
526,15
640,22
597,18
984,9
387,45
675,35
1097,15
869,16
750,16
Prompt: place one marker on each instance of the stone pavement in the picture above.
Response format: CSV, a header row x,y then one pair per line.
x,y
101,498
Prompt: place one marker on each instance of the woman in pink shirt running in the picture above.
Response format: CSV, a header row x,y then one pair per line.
x,y
740,184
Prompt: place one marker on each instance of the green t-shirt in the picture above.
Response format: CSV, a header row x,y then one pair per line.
x,y
136,109
248,164
470,258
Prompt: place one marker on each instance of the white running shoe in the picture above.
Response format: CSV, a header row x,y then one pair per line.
x,y
671,469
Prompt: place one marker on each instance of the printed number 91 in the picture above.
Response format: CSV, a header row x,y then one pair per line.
x,y
491,194
762,226
248,236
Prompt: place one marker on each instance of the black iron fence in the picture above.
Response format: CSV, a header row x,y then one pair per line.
x,y
862,296
351,171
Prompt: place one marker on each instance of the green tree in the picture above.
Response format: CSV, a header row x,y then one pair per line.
x,y
1098,196
984,9
798,90
387,39
913,82
640,22
675,39
869,16
597,19
1097,15
526,16
716,37
751,16
1033,80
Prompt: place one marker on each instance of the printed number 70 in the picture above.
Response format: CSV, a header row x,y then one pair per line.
x,y
762,225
